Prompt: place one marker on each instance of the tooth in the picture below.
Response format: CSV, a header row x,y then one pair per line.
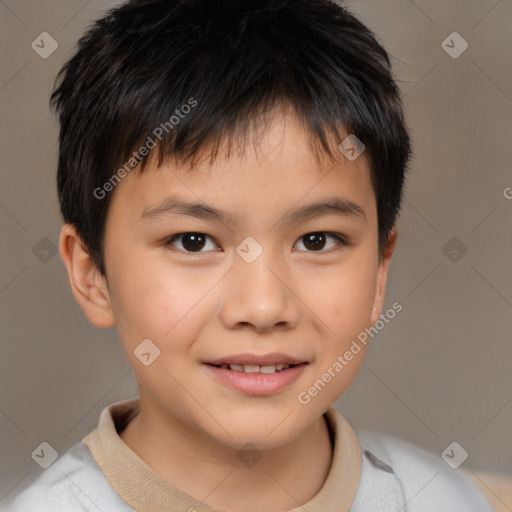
x,y
224,366
251,368
236,367
279,367
268,369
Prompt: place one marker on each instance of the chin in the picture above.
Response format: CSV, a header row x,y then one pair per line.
x,y
265,429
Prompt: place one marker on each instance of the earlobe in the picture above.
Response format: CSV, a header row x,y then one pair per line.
x,y
382,274
88,285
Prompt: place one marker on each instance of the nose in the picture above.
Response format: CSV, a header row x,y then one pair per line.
x,y
258,296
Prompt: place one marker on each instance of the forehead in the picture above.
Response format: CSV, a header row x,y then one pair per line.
x,y
278,165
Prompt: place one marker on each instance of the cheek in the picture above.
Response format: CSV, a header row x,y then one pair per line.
x,y
343,301
342,297
164,307
153,301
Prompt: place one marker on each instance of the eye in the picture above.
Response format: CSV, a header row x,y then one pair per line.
x,y
191,242
196,242
315,242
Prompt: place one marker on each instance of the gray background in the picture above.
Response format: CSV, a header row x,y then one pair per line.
x,y
439,372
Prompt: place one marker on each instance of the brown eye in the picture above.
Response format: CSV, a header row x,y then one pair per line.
x,y
316,242
191,242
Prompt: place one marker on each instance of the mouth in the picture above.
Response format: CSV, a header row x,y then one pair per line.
x,y
254,368
257,375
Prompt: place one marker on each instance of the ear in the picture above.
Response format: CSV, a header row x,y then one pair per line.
x,y
382,275
88,285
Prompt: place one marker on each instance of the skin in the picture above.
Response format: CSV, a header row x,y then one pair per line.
x,y
201,306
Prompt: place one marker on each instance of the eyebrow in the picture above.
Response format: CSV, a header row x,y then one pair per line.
x,y
331,206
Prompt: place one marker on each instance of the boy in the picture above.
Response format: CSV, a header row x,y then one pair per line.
x,y
240,277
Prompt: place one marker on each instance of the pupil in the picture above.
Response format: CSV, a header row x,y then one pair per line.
x,y
314,241
193,241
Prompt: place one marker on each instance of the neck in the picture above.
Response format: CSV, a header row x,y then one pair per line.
x,y
282,479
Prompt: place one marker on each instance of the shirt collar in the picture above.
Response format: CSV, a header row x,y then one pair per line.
x,y
146,491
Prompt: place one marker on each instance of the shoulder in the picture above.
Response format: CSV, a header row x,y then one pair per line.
x,y
74,483
425,480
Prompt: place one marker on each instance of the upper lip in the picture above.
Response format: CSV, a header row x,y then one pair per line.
x,y
255,359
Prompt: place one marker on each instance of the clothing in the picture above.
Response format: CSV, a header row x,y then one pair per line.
x,y
370,472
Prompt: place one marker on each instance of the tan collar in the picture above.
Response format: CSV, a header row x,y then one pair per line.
x,y
145,491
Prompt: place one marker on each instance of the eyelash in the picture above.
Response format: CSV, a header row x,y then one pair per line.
x,y
342,241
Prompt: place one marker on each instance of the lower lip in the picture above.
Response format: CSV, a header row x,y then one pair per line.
x,y
257,383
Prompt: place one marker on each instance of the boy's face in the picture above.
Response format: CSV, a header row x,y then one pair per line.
x,y
205,300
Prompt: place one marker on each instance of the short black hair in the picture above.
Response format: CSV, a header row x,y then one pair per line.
x,y
197,73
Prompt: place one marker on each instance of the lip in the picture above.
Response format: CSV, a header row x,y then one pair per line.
x,y
260,360
257,383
